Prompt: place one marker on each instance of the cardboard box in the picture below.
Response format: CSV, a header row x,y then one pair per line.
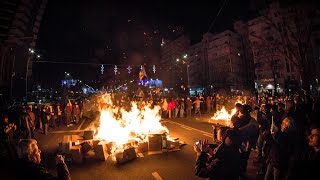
x,y
75,138
66,138
142,147
101,151
155,142
76,154
125,155
173,144
87,146
64,148
88,135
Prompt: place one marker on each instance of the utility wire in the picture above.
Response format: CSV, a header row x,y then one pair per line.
x,y
82,63
215,19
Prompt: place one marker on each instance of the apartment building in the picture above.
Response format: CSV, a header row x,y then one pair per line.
x,y
241,27
280,47
225,63
169,67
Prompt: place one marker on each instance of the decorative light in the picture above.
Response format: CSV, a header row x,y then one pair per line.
x,y
102,69
129,69
154,69
115,69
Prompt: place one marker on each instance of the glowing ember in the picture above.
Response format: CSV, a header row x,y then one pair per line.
x,y
120,126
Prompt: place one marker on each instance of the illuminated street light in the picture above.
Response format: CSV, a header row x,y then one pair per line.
x,y
185,62
32,51
185,56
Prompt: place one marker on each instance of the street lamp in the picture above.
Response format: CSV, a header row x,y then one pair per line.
x,y
12,42
32,52
184,62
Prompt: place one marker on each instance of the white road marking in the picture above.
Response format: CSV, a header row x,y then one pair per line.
x,y
156,176
186,127
191,128
207,135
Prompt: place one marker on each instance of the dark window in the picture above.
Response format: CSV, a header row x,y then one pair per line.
x,y
252,33
270,38
292,68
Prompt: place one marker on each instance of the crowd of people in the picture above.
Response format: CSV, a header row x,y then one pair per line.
x,y
286,134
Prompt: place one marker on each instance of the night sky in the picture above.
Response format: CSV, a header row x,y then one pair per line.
x,y
115,32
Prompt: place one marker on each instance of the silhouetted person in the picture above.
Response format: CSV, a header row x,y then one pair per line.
x,y
29,166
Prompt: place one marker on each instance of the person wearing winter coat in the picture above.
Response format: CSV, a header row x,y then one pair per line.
x,y
222,163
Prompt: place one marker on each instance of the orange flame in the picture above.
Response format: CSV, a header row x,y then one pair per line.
x,y
120,126
224,115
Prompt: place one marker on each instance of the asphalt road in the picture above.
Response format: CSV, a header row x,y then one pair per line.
x,y
166,166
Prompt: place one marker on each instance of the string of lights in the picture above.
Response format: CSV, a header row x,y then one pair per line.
x,y
102,66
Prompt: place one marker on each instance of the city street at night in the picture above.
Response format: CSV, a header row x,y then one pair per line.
x,y
155,90
166,165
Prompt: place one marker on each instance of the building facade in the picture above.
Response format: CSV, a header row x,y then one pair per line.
x,y
19,26
282,51
197,69
241,27
225,63
169,67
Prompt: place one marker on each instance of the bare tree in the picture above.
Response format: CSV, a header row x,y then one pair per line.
x,y
293,26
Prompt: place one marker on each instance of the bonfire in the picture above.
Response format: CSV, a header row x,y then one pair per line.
x,y
119,126
222,116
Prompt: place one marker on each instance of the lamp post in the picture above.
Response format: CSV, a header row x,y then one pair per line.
x,y
187,64
275,69
12,75
13,42
27,70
